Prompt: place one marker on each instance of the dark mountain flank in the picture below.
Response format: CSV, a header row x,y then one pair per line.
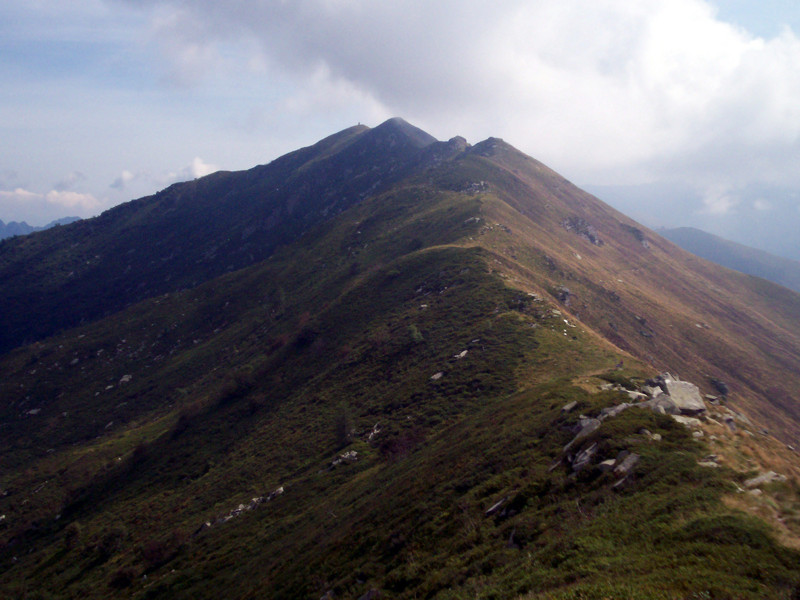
x,y
739,257
385,366
192,232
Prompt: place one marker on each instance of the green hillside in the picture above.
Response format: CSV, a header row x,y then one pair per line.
x,y
394,403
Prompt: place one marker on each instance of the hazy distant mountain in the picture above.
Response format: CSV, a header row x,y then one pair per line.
x,y
736,256
22,228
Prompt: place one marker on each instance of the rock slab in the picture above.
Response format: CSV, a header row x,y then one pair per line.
x,y
686,396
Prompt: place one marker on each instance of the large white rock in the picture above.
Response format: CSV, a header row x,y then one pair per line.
x,y
686,396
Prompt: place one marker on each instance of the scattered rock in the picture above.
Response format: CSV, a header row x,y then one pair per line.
x,y
768,477
569,406
496,506
730,422
687,421
376,429
583,228
584,457
720,386
125,379
437,376
708,464
661,404
511,543
564,296
460,355
627,465
587,427
607,465
619,484
613,411
348,457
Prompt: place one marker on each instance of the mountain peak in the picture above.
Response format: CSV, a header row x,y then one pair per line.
x,y
402,128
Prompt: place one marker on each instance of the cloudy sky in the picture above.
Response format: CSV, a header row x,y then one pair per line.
x,y
679,112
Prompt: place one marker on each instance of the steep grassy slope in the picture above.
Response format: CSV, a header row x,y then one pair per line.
x,y
275,393
379,406
639,291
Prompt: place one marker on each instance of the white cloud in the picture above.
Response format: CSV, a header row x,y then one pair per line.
x,y
197,168
73,200
121,182
70,181
719,200
38,209
761,204
200,168
609,91
19,195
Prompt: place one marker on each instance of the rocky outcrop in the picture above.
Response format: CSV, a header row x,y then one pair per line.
x,y
668,395
583,228
241,509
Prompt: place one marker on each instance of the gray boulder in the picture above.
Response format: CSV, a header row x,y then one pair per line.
x,y
686,396
584,457
587,427
636,396
627,464
613,411
661,404
687,421
652,391
569,406
607,465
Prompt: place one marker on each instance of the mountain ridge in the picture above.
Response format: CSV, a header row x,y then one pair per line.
x,y
408,396
188,243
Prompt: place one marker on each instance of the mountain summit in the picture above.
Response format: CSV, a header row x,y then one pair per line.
x,y
390,366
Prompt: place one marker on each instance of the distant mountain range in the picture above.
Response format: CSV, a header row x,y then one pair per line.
x,y
739,257
22,228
